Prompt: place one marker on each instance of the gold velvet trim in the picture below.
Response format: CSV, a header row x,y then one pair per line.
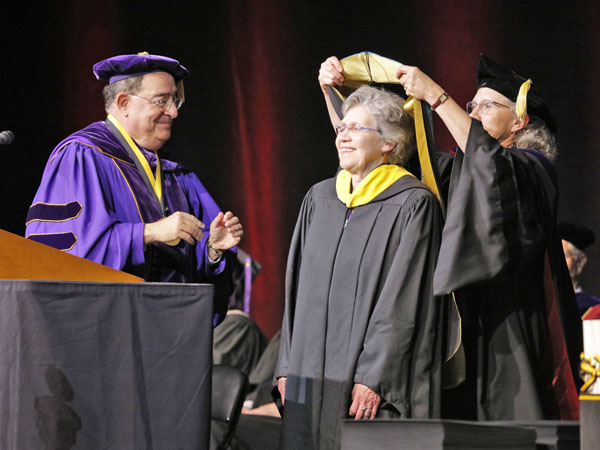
x,y
366,67
415,109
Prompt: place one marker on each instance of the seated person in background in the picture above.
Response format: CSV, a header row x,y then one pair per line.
x,y
259,400
259,427
238,341
575,239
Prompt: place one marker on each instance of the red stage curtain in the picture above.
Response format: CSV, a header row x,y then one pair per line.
x,y
258,55
453,35
92,35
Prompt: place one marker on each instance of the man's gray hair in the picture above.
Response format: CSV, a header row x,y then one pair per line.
x,y
395,125
128,86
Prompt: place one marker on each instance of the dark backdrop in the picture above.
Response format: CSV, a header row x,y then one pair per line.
x,y
254,127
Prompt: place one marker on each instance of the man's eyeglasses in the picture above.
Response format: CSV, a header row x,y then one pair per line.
x,y
485,106
352,129
163,104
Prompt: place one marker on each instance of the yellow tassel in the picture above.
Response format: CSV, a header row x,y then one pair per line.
x,y
522,99
180,91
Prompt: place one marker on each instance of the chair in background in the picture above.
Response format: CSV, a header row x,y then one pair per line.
x,y
229,389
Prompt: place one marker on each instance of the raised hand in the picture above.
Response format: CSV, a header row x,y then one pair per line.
x,y
330,73
417,84
225,231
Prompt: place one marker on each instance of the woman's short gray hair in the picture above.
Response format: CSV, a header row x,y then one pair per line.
x,y
395,125
537,136
128,86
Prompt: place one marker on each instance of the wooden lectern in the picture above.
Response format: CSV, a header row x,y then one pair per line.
x,y
24,259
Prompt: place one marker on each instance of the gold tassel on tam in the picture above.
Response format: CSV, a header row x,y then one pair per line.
x,y
522,99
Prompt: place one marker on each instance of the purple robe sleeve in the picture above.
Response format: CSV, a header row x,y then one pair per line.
x,y
91,183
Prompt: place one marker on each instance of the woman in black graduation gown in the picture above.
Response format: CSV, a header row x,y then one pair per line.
x,y
500,247
361,334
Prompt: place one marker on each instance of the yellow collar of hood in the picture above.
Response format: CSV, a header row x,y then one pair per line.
x,y
377,181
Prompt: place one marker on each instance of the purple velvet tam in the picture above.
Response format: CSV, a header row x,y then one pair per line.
x,y
127,66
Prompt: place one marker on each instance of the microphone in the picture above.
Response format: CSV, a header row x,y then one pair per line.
x,y
6,137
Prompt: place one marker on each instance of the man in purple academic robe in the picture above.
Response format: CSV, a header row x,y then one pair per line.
x,y
106,195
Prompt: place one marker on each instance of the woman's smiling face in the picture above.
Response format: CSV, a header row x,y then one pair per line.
x,y
359,151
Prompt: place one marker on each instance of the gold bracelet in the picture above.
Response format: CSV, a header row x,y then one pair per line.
x,y
217,251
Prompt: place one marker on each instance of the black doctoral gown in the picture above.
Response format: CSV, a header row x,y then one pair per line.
x,y
501,254
360,309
